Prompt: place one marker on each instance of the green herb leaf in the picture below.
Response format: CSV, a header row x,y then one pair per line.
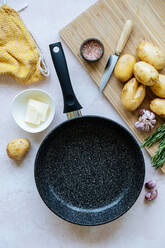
x,y
159,157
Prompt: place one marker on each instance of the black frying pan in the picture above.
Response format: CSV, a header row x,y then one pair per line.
x,y
89,170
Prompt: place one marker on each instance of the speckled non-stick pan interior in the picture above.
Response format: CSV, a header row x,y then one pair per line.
x,y
89,170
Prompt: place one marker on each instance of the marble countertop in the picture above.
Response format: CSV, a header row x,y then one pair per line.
x,y
25,221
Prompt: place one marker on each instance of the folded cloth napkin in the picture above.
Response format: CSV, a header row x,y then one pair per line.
x,y
20,56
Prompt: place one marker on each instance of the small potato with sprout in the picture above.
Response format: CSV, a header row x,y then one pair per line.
x,y
133,94
159,87
18,148
158,106
124,67
151,54
145,73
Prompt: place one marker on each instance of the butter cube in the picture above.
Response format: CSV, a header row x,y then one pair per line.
x,y
36,112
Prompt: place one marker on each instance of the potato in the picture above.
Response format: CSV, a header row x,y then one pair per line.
x,y
133,94
159,87
158,106
124,67
18,148
145,73
151,54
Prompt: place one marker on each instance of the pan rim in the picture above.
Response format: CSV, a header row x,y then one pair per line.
x,y
140,187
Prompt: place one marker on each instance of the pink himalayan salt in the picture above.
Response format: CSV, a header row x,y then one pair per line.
x,y
92,50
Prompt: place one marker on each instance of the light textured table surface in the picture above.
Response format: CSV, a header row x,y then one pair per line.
x,y
25,221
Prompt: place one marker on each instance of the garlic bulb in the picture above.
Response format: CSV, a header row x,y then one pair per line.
x,y
149,196
150,184
146,121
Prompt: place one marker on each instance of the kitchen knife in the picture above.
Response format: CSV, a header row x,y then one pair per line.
x,y
113,58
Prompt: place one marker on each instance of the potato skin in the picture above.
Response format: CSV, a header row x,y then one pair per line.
x,y
133,94
124,67
158,106
151,54
159,87
18,148
145,73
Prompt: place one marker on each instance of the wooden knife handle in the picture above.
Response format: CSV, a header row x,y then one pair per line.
x,y
124,36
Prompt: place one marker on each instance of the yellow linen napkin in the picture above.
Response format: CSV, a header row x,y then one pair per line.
x,y
20,56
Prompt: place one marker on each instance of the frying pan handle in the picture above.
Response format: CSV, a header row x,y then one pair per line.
x,y
70,101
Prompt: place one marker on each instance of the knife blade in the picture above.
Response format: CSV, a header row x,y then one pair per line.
x,y
108,71
114,58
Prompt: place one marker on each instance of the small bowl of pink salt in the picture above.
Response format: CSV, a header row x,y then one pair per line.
x,y
92,50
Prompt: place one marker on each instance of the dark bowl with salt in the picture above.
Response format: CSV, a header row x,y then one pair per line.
x,y
92,50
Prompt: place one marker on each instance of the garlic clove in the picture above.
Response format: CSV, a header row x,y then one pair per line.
x,y
152,116
147,128
144,117
153,122
139,124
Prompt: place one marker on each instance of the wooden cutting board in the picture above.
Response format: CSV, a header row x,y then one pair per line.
x,y
104,20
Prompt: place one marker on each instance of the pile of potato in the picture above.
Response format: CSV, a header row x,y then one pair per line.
x,y
138,75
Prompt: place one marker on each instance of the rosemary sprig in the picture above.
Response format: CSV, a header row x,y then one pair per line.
x,y
159,157
155,137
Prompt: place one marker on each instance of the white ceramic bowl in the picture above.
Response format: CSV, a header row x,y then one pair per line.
x,y
19,106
